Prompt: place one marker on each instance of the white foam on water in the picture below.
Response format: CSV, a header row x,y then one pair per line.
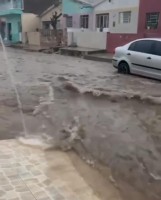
x,y
13,83
51,93
34,142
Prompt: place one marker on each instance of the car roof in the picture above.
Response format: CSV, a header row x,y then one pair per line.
x,y
155,39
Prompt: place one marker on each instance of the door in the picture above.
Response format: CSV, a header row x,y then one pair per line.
x,y
139,54
156,60
2,30
19,38
9,28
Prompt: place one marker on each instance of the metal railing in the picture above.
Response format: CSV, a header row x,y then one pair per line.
x,y
50,33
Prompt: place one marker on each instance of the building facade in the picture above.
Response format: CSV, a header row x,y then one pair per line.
x,y
10,20
148,24
45,17
117,16
77,14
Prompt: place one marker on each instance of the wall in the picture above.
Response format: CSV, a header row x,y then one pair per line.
x,y
47,15
72,7
30,22
114,8
15,20
114,40
13,4
116,4
76,21
72,35
147,6
33,38
75,9
88,39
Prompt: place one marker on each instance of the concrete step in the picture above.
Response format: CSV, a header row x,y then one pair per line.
x,y
79,51
104,57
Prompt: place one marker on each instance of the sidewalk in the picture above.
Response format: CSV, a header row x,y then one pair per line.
x,y
31,174
86,53
101,57
31,48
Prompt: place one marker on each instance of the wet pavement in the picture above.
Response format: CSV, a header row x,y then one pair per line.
x,y
118,116
32,68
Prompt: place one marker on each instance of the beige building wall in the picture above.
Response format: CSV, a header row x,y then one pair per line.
x,y
30,22
34,38
114,8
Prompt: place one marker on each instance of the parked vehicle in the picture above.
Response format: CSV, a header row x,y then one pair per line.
x,y
142,57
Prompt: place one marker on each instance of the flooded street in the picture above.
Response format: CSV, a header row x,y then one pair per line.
x,y
112,121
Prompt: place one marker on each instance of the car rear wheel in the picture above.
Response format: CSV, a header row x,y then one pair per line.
x,y
123,68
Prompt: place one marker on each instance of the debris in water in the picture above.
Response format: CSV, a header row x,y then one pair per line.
x,y
155,177
113,181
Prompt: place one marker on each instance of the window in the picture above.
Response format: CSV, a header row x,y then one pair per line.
x,y
143,46
84,21
102,21
46,25
152,20
58,25
125,17
157,48
69,21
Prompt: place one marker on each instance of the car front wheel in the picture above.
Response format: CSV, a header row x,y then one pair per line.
x,y
123,68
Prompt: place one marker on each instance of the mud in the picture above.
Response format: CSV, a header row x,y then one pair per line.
x,y
125,136
103,186
119,117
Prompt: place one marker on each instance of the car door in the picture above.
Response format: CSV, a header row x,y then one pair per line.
x,y
156,60
139,54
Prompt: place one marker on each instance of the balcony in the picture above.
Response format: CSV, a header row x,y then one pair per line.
x,y
8,5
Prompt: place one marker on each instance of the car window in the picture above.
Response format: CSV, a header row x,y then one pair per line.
x,y
143,46
156,50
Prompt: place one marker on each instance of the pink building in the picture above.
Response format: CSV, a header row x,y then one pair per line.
x,y
149,25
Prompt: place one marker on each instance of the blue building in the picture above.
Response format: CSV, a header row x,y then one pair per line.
x,y
10,20
78,13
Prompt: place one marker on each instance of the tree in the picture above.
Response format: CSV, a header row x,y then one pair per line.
x,y
54,20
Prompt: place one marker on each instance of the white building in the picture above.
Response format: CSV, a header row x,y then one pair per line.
x,y
117,16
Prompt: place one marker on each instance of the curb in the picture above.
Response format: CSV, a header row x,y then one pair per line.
x,y
99,59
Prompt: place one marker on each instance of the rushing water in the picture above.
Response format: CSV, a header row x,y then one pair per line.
x,y
121,129
13,82
27,138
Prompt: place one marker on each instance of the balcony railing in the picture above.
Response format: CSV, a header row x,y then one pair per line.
x,y
10,4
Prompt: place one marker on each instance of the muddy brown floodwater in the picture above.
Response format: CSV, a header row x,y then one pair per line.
x,y
119,116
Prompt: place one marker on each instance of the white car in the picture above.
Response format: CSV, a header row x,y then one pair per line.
x,y
142,57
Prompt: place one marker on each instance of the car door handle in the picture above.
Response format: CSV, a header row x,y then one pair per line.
x,y
149,58
129,54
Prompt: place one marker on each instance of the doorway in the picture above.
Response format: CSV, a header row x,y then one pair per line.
x,y
2,29
9,28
